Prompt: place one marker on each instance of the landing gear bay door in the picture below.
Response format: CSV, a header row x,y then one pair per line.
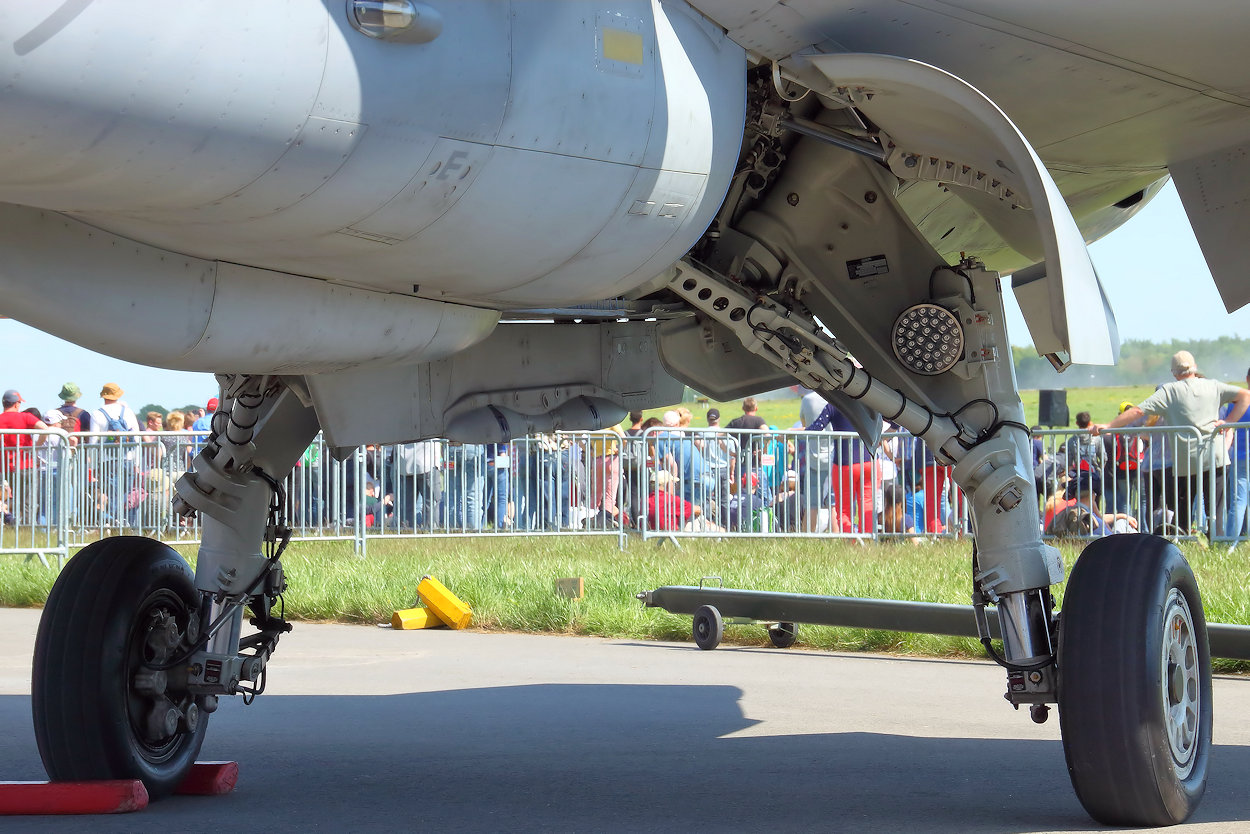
x,y
943,135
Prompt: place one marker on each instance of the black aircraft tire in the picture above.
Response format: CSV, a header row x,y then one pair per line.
x,y
88,648
708,627
1135,682
783,635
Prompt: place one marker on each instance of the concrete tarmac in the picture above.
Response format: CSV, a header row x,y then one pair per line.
x,y
368,729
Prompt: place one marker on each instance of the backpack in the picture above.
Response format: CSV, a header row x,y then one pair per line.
x,y
118,423
76,414
1074,521
1084,452
1127,452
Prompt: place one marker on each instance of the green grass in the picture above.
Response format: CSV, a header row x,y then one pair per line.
x,y
509,582
1102,403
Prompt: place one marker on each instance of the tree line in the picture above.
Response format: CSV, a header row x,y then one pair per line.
x,y
1141,363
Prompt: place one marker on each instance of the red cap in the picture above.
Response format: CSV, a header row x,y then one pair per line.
x,y
212,404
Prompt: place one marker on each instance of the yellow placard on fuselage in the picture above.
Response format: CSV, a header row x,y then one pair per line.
x,y
621,45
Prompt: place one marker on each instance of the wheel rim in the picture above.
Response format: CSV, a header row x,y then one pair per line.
x,y
161,608
1182,694
703,628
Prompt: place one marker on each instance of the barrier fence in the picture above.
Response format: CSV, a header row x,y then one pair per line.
x,y
61,491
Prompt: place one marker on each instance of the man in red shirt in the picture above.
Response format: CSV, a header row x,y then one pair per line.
x,y
17,461
667,510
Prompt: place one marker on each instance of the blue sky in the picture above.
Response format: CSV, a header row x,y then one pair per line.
x,y
1151,267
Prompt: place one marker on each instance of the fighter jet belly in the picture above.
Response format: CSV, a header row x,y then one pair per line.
x,y
590,148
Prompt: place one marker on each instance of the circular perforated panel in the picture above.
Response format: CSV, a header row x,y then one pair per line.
x,y
928,339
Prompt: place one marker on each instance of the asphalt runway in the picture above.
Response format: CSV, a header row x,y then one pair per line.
x,y
367,729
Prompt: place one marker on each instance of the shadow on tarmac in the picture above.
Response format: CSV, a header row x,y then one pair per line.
x,y
596,758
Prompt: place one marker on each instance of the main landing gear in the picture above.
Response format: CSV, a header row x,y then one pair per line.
x,y
110,698
1127,660
133,651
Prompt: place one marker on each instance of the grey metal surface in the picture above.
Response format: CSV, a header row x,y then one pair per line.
x,y
847,612
1229,641
365,729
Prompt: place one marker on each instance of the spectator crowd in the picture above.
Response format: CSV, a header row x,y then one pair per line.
x,y
1163,465
104,467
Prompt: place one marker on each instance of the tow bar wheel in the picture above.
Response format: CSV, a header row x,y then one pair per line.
x,y
1135,682
783,635
708,627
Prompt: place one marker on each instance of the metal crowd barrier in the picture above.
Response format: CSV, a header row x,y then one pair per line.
x,y
715,482
68,490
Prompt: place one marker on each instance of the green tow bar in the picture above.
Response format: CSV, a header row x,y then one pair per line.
x,y
713,606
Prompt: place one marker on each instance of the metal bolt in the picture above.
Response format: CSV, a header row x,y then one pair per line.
x,y
163,720
792,198
151,682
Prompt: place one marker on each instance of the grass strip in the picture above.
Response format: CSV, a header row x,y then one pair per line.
x,y
510,583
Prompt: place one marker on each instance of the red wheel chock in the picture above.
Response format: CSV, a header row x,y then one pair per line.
x,y
117,796
210,779
114,796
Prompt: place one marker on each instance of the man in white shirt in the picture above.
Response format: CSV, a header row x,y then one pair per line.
x,y
1191,400
420,483
115,454
114,415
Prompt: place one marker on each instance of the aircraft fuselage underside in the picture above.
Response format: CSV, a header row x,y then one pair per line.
x,y
482,220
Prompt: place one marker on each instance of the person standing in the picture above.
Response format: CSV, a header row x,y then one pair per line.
x,y
499,504
750,418
852,462
720,454
750,447
634,468
70,394
114,416
420,483
1238,477
205,421
1083,452
58,489
116,470
1122,466
19,464
913,459
814,467
465,485
605,473
538,472
1191,400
